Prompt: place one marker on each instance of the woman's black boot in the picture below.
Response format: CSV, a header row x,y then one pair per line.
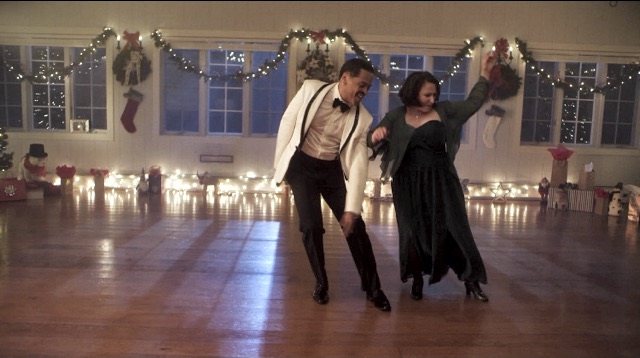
x,y
416,288
416,272
473,288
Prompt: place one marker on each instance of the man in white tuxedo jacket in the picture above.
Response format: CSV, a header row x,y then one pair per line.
x,y
321,152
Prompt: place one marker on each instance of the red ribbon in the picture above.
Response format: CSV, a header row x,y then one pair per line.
x,y
132,40
319,36
501,48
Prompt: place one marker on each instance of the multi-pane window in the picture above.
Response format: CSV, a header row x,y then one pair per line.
x,y
268,95
619,104
90,88
48,97
10,89
235,104
225,96
44,80
181,94
577,103
580,107
401,66
454,87
538,103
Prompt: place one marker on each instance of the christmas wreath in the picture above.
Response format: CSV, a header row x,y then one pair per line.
x,y
504,82
131,66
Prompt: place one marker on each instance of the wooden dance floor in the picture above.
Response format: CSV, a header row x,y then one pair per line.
x,y
184,275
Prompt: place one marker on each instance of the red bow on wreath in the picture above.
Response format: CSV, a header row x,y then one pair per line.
x,y
501,48
133,40
319,36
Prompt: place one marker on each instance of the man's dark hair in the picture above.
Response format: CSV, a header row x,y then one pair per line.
x,y
354,66
411,87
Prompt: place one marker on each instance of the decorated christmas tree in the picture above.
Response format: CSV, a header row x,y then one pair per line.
x,y
6,159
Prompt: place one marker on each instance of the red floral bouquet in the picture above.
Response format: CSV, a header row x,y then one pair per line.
x,y
65,172
99,172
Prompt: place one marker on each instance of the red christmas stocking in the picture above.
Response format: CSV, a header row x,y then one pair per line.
x,y
134,99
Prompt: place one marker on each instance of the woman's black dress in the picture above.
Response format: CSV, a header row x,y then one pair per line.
x,y
430,209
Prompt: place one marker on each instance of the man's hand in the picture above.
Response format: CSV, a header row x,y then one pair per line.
x,y
347,223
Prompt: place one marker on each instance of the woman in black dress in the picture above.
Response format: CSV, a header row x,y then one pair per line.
x,y
418,142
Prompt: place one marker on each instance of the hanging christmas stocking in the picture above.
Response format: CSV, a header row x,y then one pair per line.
x,y
495,116
134,98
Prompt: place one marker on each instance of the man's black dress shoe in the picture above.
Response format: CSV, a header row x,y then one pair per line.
x,y
320,294
379,300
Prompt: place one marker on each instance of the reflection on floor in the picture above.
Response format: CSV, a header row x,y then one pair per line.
x,y
193,275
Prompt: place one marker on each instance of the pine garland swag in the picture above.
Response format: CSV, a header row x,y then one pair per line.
x,y
317,65
120,67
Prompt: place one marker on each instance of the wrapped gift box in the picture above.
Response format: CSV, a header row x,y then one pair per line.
x,y
634,202
581,200
558,199
601,206
571,199
13,189
559,170
586,180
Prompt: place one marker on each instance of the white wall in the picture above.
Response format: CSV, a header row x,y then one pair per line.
x,y
573,26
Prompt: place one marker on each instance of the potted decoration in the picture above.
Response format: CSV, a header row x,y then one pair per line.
x,y
98,180
66,174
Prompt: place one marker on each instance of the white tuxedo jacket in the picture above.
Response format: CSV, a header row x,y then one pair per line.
x,y
296,121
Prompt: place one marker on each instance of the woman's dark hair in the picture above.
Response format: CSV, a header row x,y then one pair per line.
x,y
411,87
354,66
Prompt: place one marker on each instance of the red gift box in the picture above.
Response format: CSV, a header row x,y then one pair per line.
x,y
13,189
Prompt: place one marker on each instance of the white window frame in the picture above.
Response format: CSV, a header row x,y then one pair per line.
x,y
67,38
600,56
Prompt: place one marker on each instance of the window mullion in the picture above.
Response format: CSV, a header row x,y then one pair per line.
x,y
203,91
246,95
556,124
67,90
598,107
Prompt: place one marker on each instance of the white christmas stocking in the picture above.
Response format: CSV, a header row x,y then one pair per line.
x,y
495,114
490,131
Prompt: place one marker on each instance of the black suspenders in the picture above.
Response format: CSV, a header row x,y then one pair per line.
x,y
306,113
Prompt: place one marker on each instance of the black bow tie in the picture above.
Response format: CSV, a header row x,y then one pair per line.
x,y
343,106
